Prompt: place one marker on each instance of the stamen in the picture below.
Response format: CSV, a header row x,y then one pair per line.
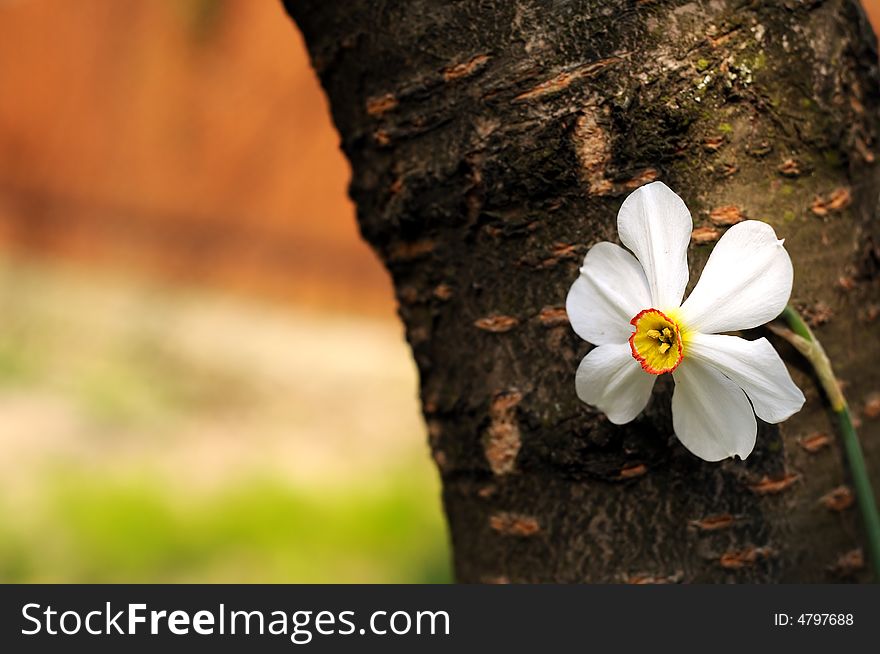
x,y
656,342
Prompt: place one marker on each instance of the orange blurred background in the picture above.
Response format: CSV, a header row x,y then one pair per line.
x,y
201,374
189,138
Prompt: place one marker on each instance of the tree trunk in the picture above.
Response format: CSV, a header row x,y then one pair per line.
x,y
491,145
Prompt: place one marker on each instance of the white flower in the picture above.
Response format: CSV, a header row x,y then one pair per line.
x,y
631,308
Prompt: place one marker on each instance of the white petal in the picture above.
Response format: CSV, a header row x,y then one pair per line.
x,y
746,282
656,225
612,380
755,367
610,290
710,414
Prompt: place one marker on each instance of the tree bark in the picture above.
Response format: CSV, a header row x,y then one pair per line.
x,y
491,145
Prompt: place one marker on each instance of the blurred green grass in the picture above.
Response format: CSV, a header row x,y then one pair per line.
x,y
87,529
158,435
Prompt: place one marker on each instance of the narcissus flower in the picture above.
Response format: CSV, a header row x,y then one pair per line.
x,y
631,308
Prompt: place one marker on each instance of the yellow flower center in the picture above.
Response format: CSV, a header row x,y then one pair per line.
x,y
657,341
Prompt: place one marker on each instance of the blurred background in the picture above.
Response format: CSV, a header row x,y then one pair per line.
x,y
202,377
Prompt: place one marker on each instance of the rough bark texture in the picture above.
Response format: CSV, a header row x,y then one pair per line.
x,y
491,145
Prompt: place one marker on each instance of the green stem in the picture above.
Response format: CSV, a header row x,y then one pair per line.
x,y
802,337
797,324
